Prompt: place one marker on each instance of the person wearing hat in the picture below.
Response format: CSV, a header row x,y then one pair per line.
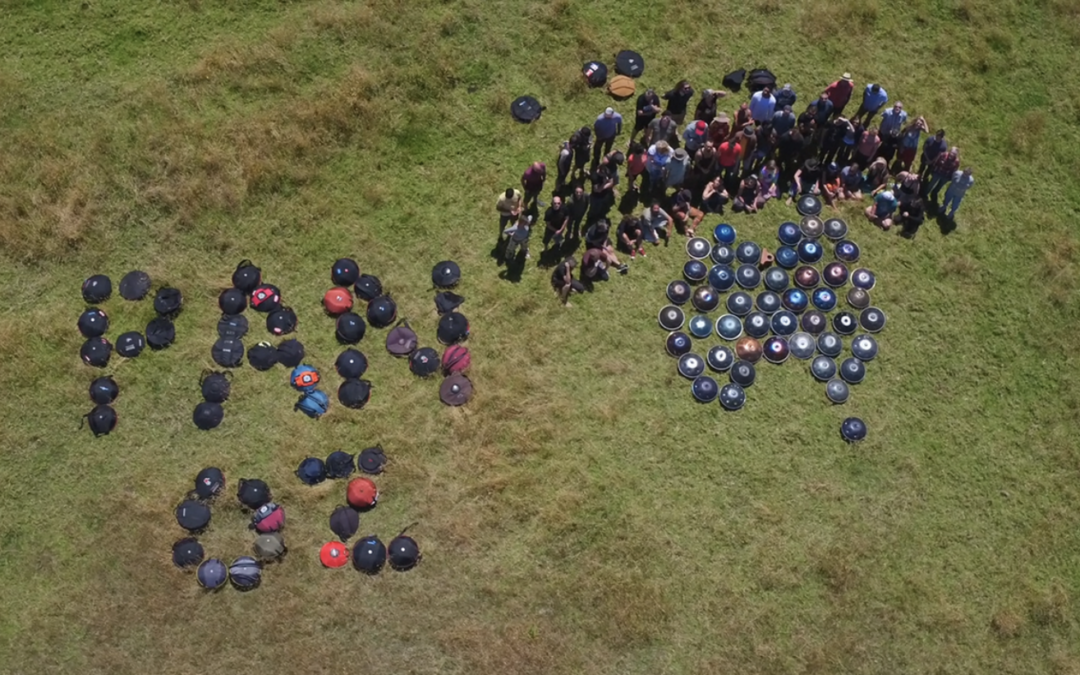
x,y
807,180
509,207
892,125
881,211
786,96
762,106
562,280
647,108
518,238
706,107
909,143
873,99
556,221
607,126
664,129
944,167
695,136
932,148
719,129
959,185
677,100
839,92
676,169
532,182
783,119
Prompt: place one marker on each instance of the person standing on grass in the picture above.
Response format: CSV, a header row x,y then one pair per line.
x,y
822,114
909,143
606,127
730,157
881,211
657,164
839,92
663,129
783,120
647,108
678,99
762,106
833,139
556,222
785,97
944,167
581,141
867,148
892,126
564,165
532,181
695,136
958,187
912,214
655,223
743,119
677,169
931,150
788,147
518,238
629,235
509,206
705,165
577,207
635,164
749,149
562,280
684,213
706,107
873,99
714,196
719,129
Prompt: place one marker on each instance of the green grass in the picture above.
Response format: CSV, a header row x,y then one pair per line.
x,y
582,514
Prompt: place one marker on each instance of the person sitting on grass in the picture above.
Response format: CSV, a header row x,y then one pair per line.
x,y
831,184
683,213
597,236
655,223
746,199
807,179
629,235
767,188
877,176
596,261
518,238
907,186
714,196
562,280
851,180
881,211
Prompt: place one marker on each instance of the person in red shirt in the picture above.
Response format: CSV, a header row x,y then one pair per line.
x,y
532,181
729,155
635,164
839,93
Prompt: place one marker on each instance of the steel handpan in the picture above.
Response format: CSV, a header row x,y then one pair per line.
x,y
811,227
768,302
853,429
864,279
823,298
671,318
756,324
695,271
864,347
776,279
847,251
872,319
691,365
852,370
807,277
705,299
795,300
729,327
830,344
789,234
810,251
724,234
748,276
721,277
802,345
740,303
835,274
732,396
808,205
784,323
835,228
722,254
775,349
679,291
748,349
748,253
823,368
845,323
698,248
720,358
700,326
813,322
704,389
678,344
837,391
743,373
787,257
858,298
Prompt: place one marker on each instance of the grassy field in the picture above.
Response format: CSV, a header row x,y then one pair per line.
x,y
582,514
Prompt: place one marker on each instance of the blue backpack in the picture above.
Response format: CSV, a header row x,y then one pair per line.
x,y
314,404
311,471
304,378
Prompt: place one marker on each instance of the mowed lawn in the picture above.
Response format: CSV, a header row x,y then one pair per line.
x,y
582,514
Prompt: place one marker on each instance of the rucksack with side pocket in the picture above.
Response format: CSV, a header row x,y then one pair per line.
x,y
368,287
453,328
269,517
102,420
311,471
424,362
160,333
304,377
208,415
247,276
339,464
351,364
595,73
759,79
227,353
168,301
252,492
266,298
456,359
232,301
290,353
263,356
93,323
215,386
382,311
447,302
314,404
734,79
245,573
96,352
232,327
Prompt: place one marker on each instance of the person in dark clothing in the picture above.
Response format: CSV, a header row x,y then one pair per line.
x,y
788,148
807,179
706,107
648,107
629,236
577,206
912,215
562,280
677,100
564,164
714,196
556,221
833,139
581,141
932,147
785,96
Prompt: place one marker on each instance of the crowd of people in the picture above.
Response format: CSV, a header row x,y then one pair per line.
x,y
681,170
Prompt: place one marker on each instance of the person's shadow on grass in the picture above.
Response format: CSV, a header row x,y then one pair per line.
x,y
946,224
514,268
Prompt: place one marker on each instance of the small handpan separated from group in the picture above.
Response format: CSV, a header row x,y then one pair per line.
x,y
853,429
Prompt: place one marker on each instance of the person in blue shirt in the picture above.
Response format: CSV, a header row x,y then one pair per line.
x,y
606,127
873,98
762,106
892,125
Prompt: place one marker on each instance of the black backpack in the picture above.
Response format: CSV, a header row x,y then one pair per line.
x,y
447,302
252,492
160,333
247,276
351,364
345,272
168,301
381,312
208,415
344,522
135,285
354,393
339,464
96,352
290,353
232,301
350,328
372,460
232,327
262,356
97,289
209,482
403,553
93,323
228,353
424,362
130,344
104,390
595,73
734,79
215,386
368,287
453,328
281,321
102,420
761,78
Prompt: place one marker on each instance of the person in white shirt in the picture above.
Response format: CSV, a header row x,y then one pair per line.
x,y
958,187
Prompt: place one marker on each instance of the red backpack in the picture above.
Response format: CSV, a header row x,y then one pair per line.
x,y
456,359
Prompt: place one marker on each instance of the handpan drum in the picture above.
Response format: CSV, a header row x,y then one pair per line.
x,y
858,298
852,370
677,344
695,271
810,251
837,391
678,292
795,300
721,277
732,396
787,257
823,368
864,279
811,227
698,248
807,277
776,349
802,345
700,326
830,344
724,234
784,323
671,318
872,319
768,302
740,303
720,358
748,253
847,251
845,323
743,373
691,365
789,234
776,279
864,347
729,327
835,274
823,298
808,205
756,324
705,299
835,229
814,322
748,349
748,276
722,254
704,389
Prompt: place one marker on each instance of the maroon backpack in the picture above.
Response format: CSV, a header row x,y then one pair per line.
x,y
456,359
